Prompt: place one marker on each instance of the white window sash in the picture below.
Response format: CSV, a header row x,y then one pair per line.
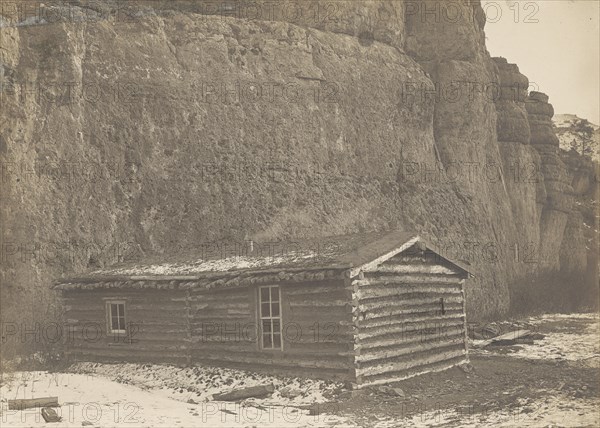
x,y
119,316
270,317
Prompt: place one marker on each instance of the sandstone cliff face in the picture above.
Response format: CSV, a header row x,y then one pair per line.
x,y
181,130
583,174
559,201
513,123
522,164
465,134
174,129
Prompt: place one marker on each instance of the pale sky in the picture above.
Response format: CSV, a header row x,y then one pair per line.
x,y
560,52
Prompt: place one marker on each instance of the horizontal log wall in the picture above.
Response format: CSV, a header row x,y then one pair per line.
x,y
387,325
317,330
157,324
402,329
218,327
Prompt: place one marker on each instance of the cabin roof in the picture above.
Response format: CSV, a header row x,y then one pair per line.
x,y
224,259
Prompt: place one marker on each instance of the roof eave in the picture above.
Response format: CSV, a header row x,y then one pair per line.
x,y
194,277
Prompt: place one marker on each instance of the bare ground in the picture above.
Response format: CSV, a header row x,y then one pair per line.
x,y
560,387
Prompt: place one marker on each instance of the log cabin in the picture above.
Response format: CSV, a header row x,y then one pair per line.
x,y
367,308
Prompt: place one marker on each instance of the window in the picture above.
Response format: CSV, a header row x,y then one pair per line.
x,y
115,312
270,317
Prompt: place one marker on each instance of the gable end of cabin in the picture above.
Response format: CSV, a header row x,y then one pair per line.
x,y
410,316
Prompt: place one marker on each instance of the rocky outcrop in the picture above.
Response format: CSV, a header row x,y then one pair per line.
x,y
578,135
521,162
559,193
180,126
513,124
177,131
583,173
368,20
572,257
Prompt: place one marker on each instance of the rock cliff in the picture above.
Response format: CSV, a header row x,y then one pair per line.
x,y
176,125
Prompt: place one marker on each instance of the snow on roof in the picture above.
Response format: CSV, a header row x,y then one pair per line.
x,y
328,252
236,262
334,252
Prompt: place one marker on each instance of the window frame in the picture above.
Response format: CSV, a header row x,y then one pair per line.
x,y
271,318
109,317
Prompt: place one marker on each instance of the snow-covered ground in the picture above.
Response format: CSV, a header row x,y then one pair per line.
x,y
200,383
149,395
581,345
136,395
105,403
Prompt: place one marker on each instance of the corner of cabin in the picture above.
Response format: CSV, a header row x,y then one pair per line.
x,y
410,316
